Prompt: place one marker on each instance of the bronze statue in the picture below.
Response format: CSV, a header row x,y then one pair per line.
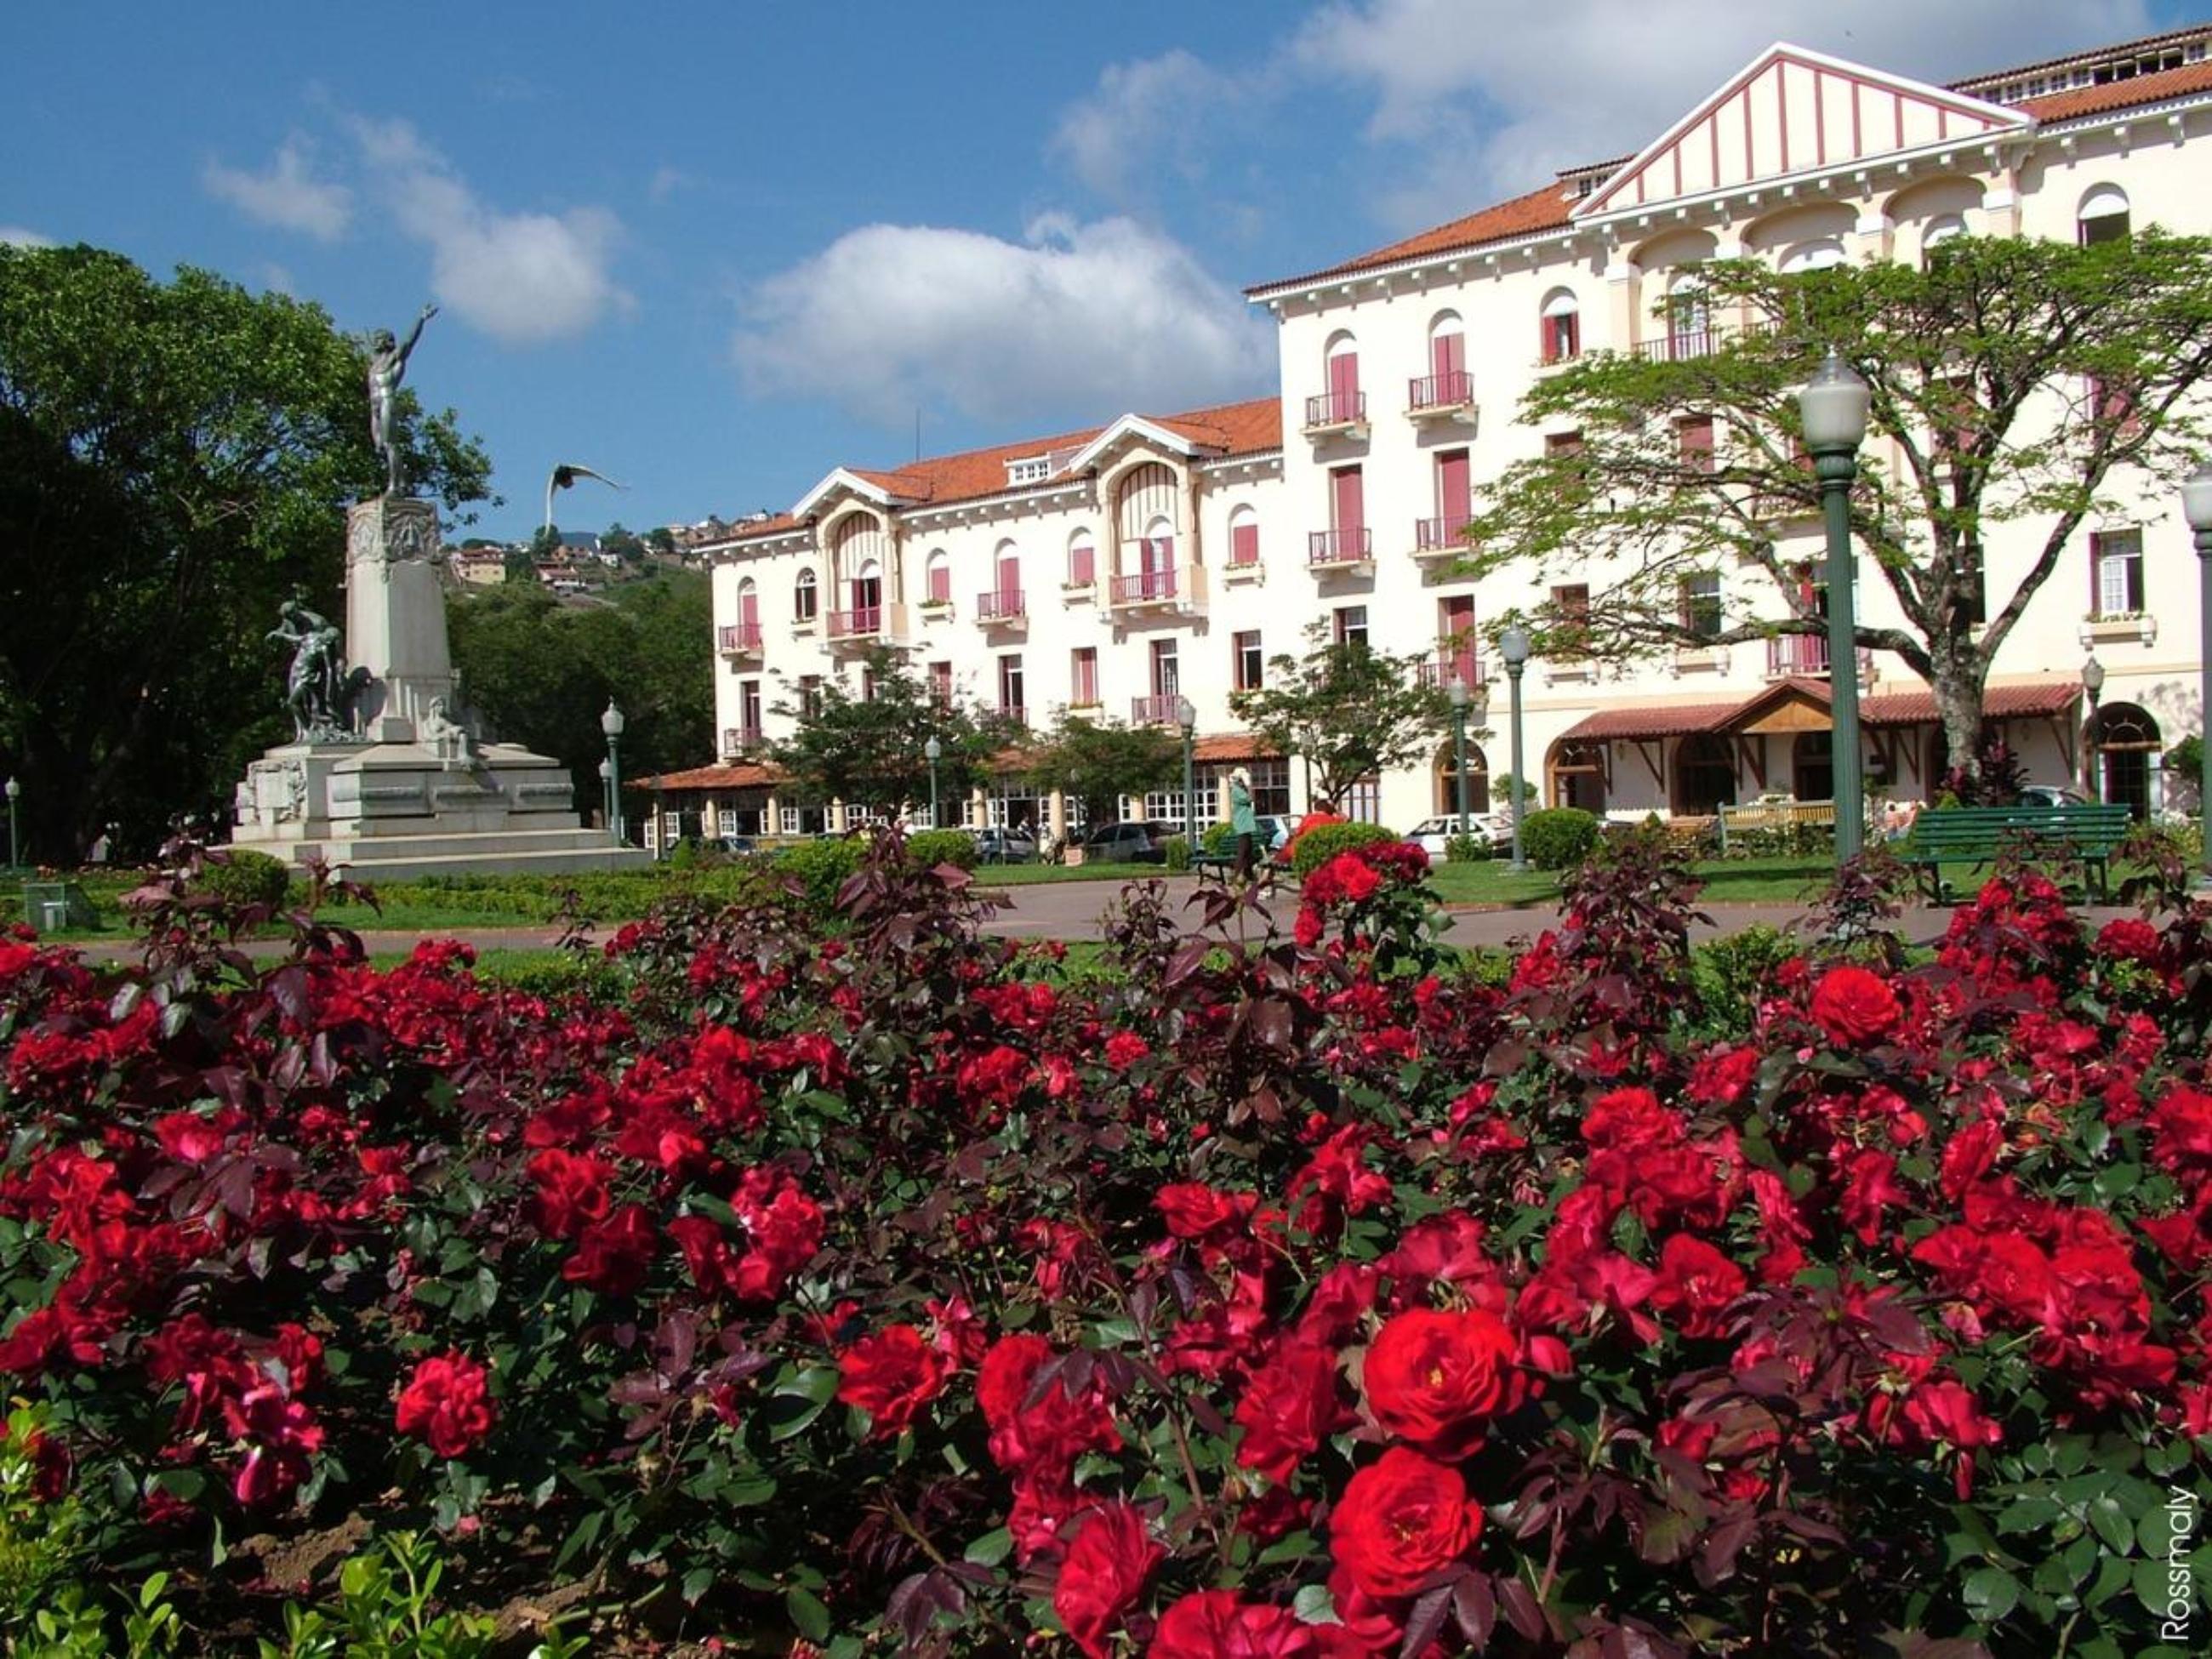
x,y
318,686
388,366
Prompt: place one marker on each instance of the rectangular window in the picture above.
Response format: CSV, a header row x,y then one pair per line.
x,y
1454,494
804,599
749,709
1083,676
1363,802
2112,405
1082,564
1699,599
1011,702
867,685
1571,604
1167,672
1694,433
2103,228
1250,664
1271,787
2116,565
810,696
941,684
1347,500
1563,336
1351,624
1344,386
940,582
1243,545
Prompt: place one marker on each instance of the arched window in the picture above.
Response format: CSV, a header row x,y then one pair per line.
x,y
1689,323
1006,587
1939,230
937,576
1342,402
1082,560
1478,780
2103,217
1577,775
1448,380
2122,741
804,597
1562,326
1816,255
1244,539
1813,766
1144,527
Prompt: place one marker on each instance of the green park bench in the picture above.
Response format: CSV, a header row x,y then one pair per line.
x,y
1975,836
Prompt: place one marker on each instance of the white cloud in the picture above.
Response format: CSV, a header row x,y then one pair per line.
x,y
1106,315
18,236
521,277
1154,112
286,194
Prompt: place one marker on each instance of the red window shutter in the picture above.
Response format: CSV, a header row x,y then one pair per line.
x,y
1244,544
1454,490
1351,507
1343,383
749,610
1010,574
1448,357
1078,564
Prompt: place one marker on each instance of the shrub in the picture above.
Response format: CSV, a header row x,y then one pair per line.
x,y
1318,845
931,847
1467,848
1558,837
1175,852
824,866
242,877
1218,839
1733,972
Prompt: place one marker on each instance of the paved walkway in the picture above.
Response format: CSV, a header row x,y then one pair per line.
x,y
1071,910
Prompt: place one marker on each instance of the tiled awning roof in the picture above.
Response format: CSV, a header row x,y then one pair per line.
x,y
1642,723
736,775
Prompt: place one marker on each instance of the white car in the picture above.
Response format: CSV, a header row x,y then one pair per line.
x,y
1433,836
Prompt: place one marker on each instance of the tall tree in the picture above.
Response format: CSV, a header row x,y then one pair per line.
x,y
1099,761
2013,382
541,673
175,459
869,751
1350,711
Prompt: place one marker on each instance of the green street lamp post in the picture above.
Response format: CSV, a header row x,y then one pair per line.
x,y
933,751
607,794
1187,718
1833,408
1457,691
611,723
14,835
1513,646
2197,507
2093,687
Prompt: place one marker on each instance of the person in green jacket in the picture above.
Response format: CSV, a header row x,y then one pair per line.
x,y
1244,824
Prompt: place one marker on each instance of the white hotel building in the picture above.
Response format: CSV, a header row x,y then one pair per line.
x,y
1160,556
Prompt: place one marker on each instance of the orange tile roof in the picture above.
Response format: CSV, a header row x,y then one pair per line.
x,y
735,774
2121,94
775,525
2040,698
1543,209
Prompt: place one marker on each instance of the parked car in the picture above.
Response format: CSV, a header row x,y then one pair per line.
x,y
734,846
1006,845
1127,841
2052,794
1433,836
1276,830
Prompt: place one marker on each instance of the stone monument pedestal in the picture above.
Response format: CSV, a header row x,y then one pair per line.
x,y
403,790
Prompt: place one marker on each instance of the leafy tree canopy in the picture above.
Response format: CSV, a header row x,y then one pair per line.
x,y
2013,382
1349,710
869,750
175,459
1097,761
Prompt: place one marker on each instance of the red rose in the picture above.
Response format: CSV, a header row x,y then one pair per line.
x,y
1289,1408
1215,1625
1400,1520
1854,1006
2181,1131
1107,1562
707,1253
786,1226
614,1255
1193,1210
572,1192
1435,1380
448,1402
1124,1049
1695,1285
890,1376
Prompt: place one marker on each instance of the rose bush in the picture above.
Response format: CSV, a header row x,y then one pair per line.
x,y
861,1280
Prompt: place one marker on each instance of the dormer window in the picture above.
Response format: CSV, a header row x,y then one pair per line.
x,y
1033,469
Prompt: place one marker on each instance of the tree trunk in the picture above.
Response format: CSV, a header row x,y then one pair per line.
x,y
1957,685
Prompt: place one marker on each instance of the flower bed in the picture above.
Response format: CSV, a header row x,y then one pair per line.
x,y
1281,1294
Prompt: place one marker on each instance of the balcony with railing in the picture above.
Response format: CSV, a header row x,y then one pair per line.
x,y
1157,710
1340,550
1448,665
739,638
861,622
1003,607
740,740
1441,538
1805,656
1685,343
1330,414
1441,397
1143,587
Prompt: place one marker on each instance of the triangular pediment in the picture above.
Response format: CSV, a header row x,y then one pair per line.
x,y
1790,111
1787,707
1134,429
846,482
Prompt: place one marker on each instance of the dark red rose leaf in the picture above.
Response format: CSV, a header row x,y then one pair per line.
x,y
1637,1642
915,1602
1187,958
1667,1538
1474,1605
1424,1621
1716,1561
1806,1526
1523,1610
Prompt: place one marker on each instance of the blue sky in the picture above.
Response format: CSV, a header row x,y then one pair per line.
x,y
714,250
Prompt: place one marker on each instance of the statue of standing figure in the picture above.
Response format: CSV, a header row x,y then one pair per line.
x,y
316,688
388,366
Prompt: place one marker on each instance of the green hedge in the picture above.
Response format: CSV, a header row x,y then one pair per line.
x,y
1316,847
824,866
1218,839
242,876
936,846
1558,837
